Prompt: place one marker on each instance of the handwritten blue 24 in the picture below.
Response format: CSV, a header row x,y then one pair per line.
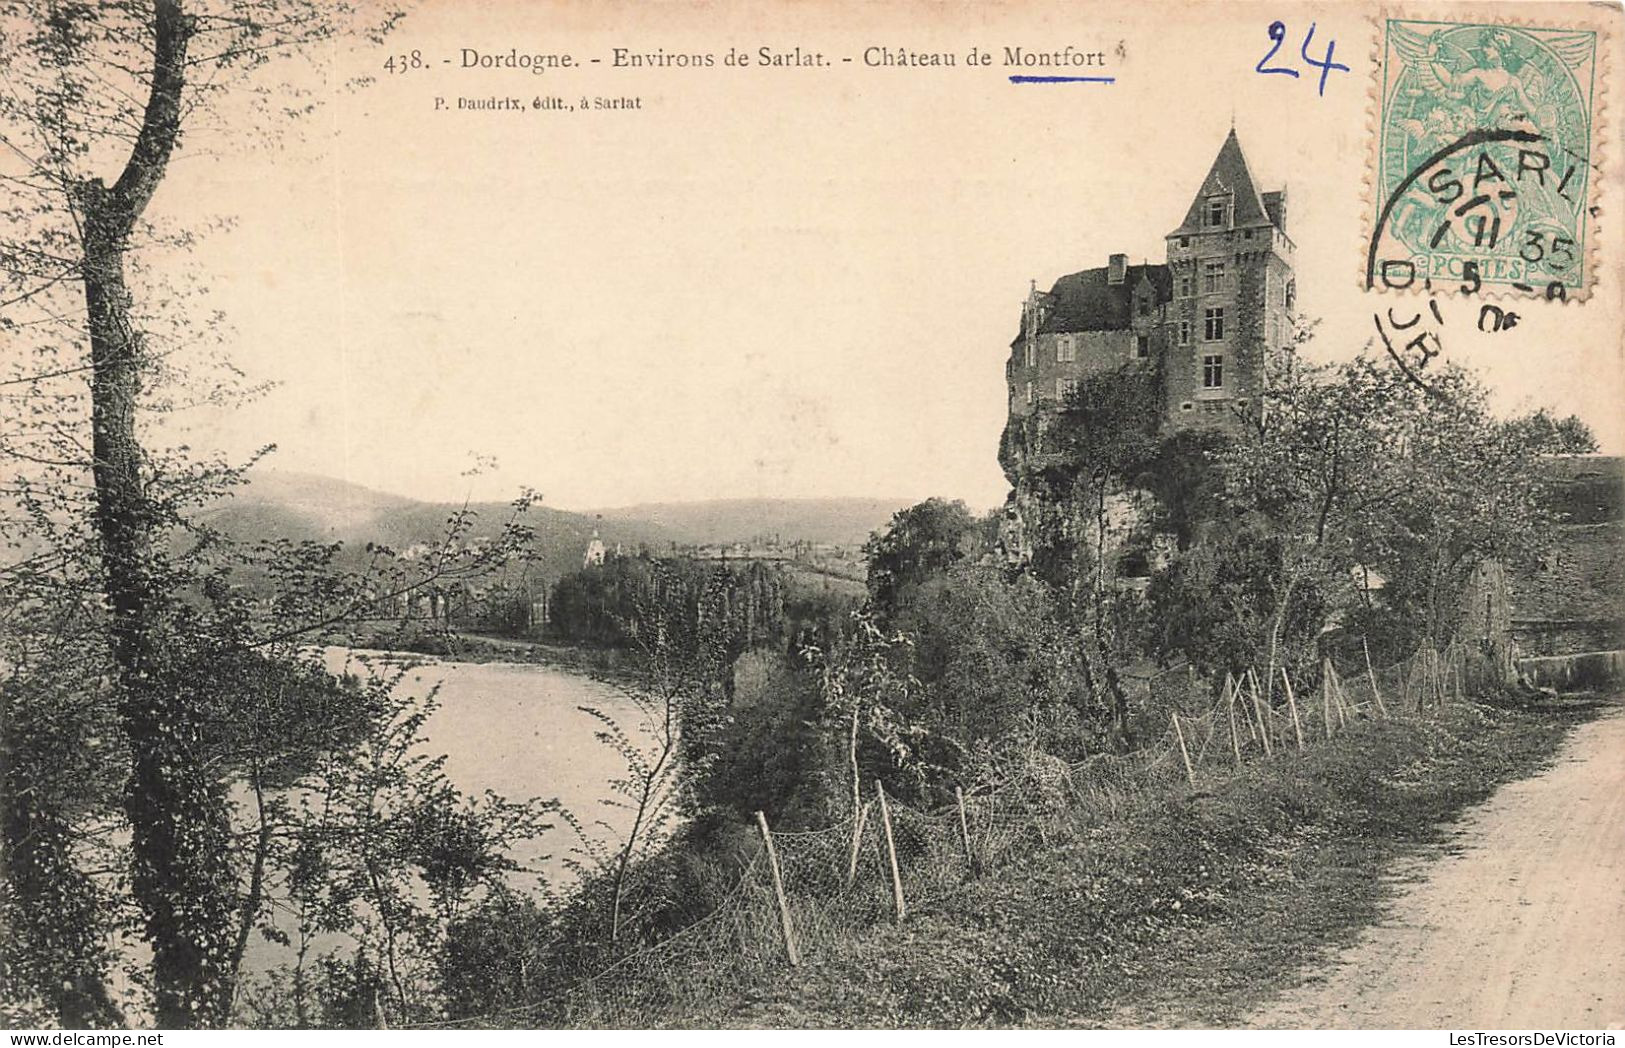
x,y
1277,33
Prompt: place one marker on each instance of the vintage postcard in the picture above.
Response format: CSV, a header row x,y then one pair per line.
x,y
837,515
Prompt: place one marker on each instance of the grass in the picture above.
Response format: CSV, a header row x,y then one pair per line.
x,y
1181,907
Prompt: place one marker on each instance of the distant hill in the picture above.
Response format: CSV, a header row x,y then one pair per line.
x,y
843,521
278,504
299,506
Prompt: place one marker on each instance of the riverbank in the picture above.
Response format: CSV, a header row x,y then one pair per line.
x,y
614,666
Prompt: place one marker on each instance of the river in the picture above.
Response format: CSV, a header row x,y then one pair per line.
x,y
516,729
513,728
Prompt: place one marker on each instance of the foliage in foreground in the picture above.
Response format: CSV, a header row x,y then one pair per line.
x,y
1141,902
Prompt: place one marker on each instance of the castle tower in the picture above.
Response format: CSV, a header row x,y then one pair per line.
x,y
1197,330
1233,291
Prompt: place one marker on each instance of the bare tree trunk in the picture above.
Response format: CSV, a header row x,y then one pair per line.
x,y
180,833
647,798
1276,623
852,762
857,795
251,905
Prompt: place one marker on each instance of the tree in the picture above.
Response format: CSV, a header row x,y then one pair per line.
x,y
360,834
1351,469
1001,674
921,541
1306,466
765,754
1543,433
683,649
95,508
1466,489
866,693
1080,473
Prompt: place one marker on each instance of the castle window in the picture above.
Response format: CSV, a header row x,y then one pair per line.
x,y
1030,397
1064,388
1187,286
1212,276
1142,346
1065,351
1215,211
1145,307
1291,292
1184,241
1213,371
1184,332
1213,324
1029,353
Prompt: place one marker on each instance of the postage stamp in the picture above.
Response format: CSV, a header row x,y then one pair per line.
x,y
1486,157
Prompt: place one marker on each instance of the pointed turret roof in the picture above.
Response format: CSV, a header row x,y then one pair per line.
x,y
1229,174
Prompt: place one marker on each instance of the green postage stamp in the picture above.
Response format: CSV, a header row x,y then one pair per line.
x,y
1487,153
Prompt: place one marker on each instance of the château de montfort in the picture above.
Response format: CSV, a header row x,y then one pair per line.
x,y
1197,326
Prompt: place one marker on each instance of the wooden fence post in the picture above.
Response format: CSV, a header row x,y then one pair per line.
x,y
1338,696
1372,674
900,906
378,1015
1190,773
1326,697
1258,711
1292,704
857,843
778,891
1207,740
964,831
1262,696
1234,687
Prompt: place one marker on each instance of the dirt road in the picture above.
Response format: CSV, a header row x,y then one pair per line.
x,y
1520,925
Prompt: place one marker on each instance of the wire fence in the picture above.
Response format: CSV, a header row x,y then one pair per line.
x,y
802,893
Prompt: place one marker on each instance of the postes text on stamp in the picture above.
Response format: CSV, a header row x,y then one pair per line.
x,y
1485,158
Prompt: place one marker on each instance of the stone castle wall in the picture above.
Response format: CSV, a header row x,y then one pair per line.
x,y
1573,601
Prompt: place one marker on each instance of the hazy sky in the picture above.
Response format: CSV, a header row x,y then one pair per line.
x,y
766,282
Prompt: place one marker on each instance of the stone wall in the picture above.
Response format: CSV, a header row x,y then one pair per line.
x,y
1253,294
1091,351
1588,671
1575,600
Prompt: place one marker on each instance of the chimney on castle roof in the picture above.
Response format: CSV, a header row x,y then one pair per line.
x,y
1117,266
